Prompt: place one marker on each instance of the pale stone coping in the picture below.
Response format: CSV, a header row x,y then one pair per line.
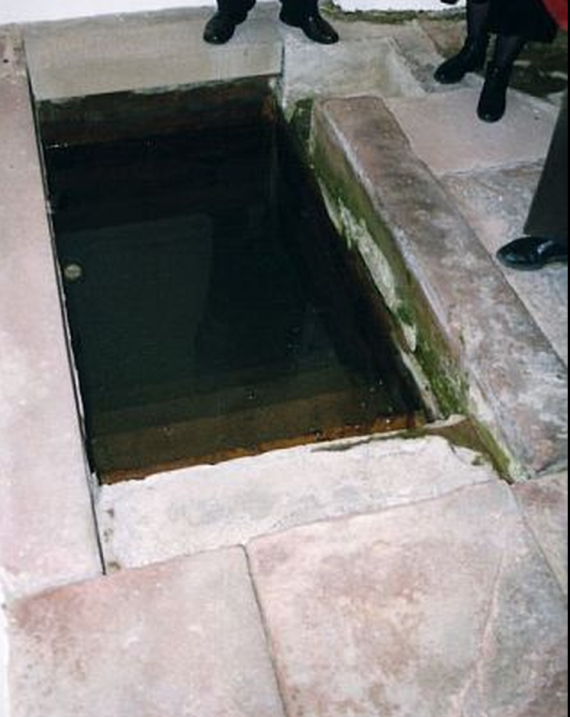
x,y
151,51
145,52
211,507
523,402
47,527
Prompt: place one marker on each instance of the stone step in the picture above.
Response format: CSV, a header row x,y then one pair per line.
x,y
210,507
469,326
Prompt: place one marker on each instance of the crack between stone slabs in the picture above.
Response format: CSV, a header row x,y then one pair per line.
x,y
266,631
538,545
373,511
476,678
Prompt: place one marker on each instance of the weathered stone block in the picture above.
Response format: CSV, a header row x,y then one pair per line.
x,y
182,639
442,608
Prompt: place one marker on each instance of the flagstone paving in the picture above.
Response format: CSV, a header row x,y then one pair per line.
x,y
370,579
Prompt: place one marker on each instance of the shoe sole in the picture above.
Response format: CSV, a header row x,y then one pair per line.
x,y
529,268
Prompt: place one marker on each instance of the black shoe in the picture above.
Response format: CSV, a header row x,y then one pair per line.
x,y
472,58
493,102
315,27
533,253
221,28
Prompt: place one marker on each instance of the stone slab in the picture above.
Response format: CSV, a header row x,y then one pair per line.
x,y
182,639
146,51
545,506
363,66
446,134
523,402
211,507
496,204
47,527
444,608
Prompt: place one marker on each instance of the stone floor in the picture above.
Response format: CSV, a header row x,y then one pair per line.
x,y
378,578
447,601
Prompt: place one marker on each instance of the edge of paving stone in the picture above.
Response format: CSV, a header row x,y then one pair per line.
x,y
14,586
126,545
434,350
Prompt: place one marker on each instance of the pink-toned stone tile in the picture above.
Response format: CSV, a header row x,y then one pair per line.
x,y
444,609
47,529
183,639
545,505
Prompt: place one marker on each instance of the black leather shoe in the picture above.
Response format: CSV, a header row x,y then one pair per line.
x,y
472,58
315,27
493,102
221,28
533,253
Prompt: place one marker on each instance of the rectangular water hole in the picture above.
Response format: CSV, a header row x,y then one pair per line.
x,y
212,307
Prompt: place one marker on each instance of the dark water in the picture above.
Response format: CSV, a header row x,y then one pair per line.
x,y
211,310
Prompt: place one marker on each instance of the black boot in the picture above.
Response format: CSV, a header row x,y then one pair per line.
x,y
533,253
472,58
221,28
315,27
493,102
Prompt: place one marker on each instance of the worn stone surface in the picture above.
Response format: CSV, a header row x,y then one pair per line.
x,y
447,135
367,66
4,658
146,51
204,508
496,204
444,608
523,402
47,530
545,506
182,639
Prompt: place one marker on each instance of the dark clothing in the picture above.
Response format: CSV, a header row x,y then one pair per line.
x,y
549,214
528,19
296,10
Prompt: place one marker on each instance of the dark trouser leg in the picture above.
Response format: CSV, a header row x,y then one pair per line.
x,y
549,213
474,53
237,9
298,10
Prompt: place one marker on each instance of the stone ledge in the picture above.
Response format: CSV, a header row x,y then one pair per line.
x,y
145,52
421,252
211,507
47,528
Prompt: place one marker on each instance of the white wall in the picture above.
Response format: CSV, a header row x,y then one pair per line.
x,y
32,10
